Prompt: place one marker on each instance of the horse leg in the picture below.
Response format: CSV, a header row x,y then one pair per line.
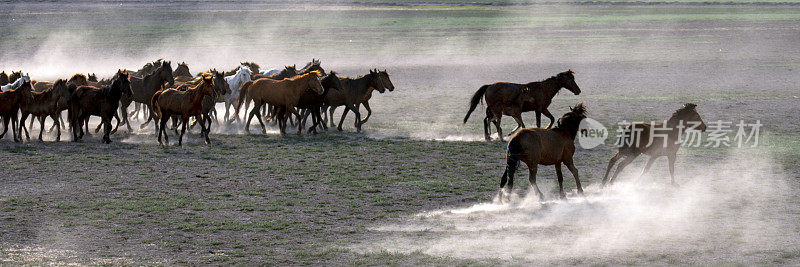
x,y
203,130
560,181
5,127
499,131
610,165
486,128
671,158
249,119
520,124
116,127
344,114
22,126
58,129
14,131
333,123
256,113
549,116
124,110
571,166
184,121
369,113
538,119
532,178
620,167
41,126
107,128
646,167
163,123
357,122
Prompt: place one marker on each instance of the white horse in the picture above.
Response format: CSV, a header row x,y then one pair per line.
x,y
234,82
270,72
16,84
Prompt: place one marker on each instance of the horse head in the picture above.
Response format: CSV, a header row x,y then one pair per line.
x,y
220,84
165,72
332,81
688,115
314,83
573,118
207,85
375,81
385,79
567,80
122,83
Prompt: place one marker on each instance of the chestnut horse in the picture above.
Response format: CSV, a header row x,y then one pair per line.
x,y
186,104
47,103
89,100
650,140
283,94
537,146
512,99
10,101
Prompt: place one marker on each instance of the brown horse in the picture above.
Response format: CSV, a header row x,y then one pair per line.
x,y
650,140
221,88
512,99
186,104
144,88
10,101
182,70
537,146
3,78
353,93
79,79
283,94
92,101
92,77
47,103
15,75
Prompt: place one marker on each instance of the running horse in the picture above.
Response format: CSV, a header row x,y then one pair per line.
x,y
655,140
513,99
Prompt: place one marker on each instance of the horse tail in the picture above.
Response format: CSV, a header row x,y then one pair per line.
x,y
512,158
154,104
242,97
474,101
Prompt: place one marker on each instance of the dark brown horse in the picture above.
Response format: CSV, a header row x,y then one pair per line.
x,y
537,146
182,70
10,101
92,101
3,78
144,88
283,94
286,72
314,65
15,75
353,93
49,102
186,104
92,77
312,102
649,139
513,99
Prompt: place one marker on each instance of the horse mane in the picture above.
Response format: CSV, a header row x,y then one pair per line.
x,y
571,119
302,76
314,62
78,76
683,111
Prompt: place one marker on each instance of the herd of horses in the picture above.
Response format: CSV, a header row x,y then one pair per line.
x,y
159,93
556,145
289,96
